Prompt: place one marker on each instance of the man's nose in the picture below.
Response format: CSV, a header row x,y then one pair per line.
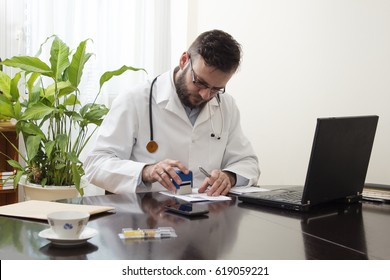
x,y
205,93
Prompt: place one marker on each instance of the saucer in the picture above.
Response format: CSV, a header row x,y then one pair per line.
x,y
55,240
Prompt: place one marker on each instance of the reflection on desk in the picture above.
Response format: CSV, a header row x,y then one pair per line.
x,y
68,253
231,230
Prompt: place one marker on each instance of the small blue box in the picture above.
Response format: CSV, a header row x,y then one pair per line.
x,y
186,186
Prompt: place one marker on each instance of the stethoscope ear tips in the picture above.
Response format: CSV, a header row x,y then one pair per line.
x,y
213,135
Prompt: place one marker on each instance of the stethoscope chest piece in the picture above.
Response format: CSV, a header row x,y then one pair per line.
x,y
152,146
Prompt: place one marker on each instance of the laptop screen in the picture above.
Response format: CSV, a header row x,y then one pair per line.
x,y
339,159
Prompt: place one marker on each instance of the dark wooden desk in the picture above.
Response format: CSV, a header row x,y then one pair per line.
x,y
232,230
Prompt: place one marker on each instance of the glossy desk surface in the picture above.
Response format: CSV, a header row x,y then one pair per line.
x,y
232,230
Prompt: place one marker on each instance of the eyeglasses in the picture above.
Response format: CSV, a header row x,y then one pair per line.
x,y
203,85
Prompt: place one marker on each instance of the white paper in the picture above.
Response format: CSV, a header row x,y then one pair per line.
x,y
195,196
248,189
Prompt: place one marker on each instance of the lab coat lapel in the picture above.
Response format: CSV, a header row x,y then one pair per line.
x,y
204,114
167,96
174,105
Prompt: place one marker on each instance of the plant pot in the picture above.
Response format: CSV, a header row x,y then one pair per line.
x,y
48,193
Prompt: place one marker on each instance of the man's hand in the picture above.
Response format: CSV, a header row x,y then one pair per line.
x,y
163,172
219,183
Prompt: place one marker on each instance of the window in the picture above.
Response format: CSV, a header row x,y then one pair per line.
x,y
139,33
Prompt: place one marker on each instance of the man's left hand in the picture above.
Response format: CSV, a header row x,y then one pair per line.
x,y
219,183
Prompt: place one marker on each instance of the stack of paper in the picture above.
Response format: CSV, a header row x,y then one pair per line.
x,y
6,183
376,192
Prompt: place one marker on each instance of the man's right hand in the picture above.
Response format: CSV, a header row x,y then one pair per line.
x,y
163,172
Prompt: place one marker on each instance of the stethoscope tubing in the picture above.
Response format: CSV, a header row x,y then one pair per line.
x,y
150,109
151,116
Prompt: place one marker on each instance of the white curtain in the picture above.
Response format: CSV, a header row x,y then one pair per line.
x,y
123,32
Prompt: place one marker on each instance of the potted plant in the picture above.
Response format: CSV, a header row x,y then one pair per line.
x,y
55,126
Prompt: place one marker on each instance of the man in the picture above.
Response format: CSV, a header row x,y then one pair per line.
x,y
180,121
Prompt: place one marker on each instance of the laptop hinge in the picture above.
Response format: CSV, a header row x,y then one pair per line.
x,y
353,198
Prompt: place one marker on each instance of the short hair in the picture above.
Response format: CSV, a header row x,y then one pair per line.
x,y
218,49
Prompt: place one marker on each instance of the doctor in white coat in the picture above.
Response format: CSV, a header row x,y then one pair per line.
x,y
181,120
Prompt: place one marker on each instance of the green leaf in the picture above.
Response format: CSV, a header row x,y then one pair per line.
x,y
62,141
17,110
60,86
96,113
5,84
71,100
85,108
66,90
15,164
40,47
72,157
6,107
35,95
14,87
18,175
43,182
74,115
49,147
32,146
59,58
31,82
60,166
75,70
109,74
29,64
32,129
37,111
77,178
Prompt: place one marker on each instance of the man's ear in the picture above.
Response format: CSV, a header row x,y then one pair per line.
x,y
184,60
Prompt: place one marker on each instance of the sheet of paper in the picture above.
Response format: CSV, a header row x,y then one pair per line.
x,y
36,209
195,196
376,194
248,189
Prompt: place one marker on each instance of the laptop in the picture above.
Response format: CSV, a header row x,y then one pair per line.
x,y
337,167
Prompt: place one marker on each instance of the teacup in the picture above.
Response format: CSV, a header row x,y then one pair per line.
x,y
68,224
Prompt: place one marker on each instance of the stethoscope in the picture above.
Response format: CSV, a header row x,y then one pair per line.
x,y
152,145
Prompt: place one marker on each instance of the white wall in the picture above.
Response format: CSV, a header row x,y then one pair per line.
x,y
302,60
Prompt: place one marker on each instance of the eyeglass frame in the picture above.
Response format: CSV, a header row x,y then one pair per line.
x,y
203,85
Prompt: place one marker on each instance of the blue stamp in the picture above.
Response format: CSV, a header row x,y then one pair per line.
x,y
186,186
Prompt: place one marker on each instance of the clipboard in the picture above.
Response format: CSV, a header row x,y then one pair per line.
x,y
36,209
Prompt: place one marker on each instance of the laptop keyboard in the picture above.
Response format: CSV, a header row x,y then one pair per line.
x,y
293,196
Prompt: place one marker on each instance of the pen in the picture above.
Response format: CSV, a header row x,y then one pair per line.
x,y
204,172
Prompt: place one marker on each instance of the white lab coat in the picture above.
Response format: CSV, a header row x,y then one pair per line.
x,y
119,155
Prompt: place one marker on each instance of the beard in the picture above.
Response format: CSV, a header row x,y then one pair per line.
x,y
185,95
